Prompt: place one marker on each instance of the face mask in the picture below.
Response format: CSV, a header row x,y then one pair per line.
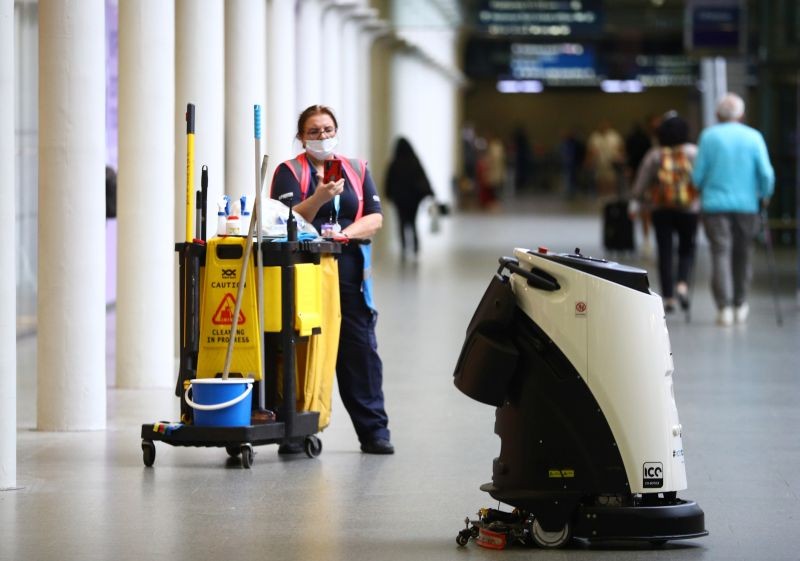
x,y
321,149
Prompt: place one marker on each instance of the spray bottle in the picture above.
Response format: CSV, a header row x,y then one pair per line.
x,y
245,216
233,224
221,217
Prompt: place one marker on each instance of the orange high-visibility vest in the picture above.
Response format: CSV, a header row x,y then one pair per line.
x,y
354,169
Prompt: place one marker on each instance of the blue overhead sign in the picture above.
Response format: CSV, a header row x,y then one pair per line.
x,y
565,62
716,26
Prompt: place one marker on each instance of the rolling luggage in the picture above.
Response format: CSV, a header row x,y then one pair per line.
x,y
617,227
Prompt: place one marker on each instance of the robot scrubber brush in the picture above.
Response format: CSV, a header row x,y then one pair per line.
x,y
574,353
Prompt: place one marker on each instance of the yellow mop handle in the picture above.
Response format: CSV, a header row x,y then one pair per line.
x,y
189,172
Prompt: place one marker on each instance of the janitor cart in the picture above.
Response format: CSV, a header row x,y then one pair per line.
x,y
280,258
296,323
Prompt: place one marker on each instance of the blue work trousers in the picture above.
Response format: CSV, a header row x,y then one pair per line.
x,y
359,369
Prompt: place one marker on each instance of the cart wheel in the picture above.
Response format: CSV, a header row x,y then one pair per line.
x,y
247,455
233,451
463,537
313,446
550,540
148,452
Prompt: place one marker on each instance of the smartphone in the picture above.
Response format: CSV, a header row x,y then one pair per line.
x,y
333,171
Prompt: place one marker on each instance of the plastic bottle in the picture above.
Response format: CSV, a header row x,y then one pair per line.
x,y
244,220
222,219
233,226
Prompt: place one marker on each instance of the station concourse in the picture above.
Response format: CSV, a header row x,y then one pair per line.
x,y
84,363
87,495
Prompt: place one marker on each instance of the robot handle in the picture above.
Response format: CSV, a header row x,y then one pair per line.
x,y
536,277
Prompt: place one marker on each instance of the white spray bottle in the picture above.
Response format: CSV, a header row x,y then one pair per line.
x,y
222,219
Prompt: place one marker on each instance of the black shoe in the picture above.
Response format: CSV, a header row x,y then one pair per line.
x,y
291,448
379,446
683,300
682,291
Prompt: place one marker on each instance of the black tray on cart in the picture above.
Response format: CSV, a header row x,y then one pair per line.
x,y
236,440
290,424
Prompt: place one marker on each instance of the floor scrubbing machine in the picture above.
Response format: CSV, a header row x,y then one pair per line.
x,y
574,353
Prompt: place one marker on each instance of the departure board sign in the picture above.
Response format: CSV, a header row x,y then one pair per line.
x,y
562,63
666,70
572,64
715,26
547,18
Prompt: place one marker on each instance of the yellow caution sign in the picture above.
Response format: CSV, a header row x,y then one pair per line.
x,y
222,275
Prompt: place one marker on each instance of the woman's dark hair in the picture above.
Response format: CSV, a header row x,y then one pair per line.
x,y
404,152
310,112
673,130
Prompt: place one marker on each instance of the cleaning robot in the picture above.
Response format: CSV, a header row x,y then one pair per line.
x,y
574,353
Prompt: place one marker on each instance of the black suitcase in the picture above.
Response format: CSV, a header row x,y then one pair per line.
x,y
617,227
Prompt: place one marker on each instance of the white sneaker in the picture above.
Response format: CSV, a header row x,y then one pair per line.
x,y
725,316
647,251
742,312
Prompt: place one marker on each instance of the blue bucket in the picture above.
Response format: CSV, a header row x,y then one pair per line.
x,y
221,403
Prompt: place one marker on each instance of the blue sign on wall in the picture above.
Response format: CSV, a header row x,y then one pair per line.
x,y
715,26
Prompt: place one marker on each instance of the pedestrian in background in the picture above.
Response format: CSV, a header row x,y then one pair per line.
x,y
606,157
638,142
406,186
491,172
664,181
735,177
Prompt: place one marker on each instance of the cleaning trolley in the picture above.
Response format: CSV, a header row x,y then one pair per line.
x,y
259,329
575,355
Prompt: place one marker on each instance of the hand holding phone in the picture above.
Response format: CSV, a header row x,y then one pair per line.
x,y
333,171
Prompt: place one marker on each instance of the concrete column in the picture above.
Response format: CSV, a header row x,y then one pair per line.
x,y
71,377
199,79
331,55
281,102
350,86
145,202
370,30
310,49
8,316
713,78
425,116
245,86
380,54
